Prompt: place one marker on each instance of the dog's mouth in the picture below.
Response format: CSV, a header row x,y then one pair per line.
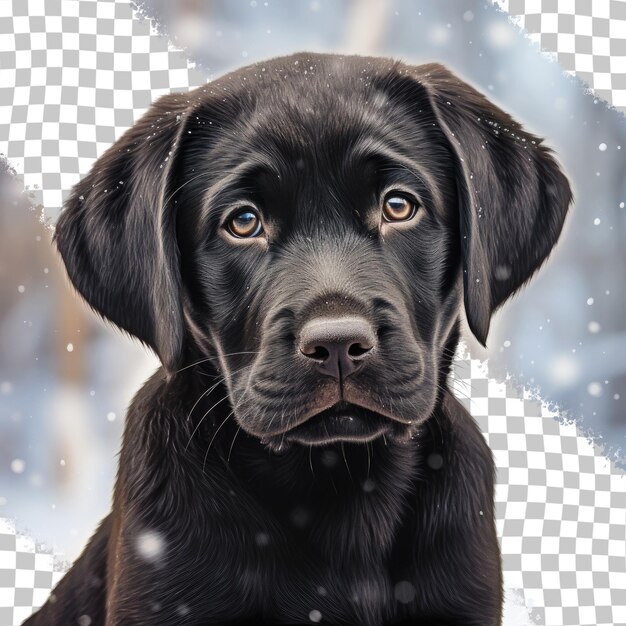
x,y
341,422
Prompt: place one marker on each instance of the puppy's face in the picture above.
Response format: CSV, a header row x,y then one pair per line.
x,y
315,225
321,257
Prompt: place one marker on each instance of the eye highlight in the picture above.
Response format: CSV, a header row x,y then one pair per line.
x,y
398,208
245,223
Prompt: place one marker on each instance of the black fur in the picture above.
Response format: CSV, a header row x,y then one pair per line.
x,y
257,528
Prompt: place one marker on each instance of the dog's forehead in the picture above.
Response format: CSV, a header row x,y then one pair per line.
x,y
303,101
318,112
313,109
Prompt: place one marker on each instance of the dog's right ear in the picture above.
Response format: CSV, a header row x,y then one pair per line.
x,y
513,194
116,233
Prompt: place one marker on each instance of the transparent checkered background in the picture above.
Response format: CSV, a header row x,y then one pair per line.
x,y
560,506
28,570
74,74
586,37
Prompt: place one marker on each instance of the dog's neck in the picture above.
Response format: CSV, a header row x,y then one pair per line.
x,y
320,493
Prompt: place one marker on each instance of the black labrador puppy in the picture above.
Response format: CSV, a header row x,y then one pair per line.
x,y
296,241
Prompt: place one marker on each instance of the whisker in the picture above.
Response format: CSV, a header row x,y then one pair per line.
x,y
236,432
202,395
311,461
217,430
345,460
466,383
214,358
183,185
202,419
232,444
205,393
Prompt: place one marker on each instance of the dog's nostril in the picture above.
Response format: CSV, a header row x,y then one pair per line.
x,y
318,353
358,349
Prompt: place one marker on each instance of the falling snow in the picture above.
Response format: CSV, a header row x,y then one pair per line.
x,y
594,327
150,545
594,389
18,466
262,539
435,461
404,591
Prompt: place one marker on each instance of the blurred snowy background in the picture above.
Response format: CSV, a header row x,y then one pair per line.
x,y
65,378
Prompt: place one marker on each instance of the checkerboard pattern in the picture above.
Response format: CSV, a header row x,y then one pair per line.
x,y
75,74
27,573
560,505
588,38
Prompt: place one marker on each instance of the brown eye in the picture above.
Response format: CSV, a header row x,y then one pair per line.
x,y
398,208
245,224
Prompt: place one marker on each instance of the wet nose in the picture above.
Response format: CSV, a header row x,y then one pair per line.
x,y
337,345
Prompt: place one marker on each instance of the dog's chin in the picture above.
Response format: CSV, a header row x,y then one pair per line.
x,y
342,422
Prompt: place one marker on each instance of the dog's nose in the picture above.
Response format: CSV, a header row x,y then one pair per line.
x,y
338,345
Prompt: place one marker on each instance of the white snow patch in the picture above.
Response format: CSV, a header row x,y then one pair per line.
x,y
594,389
150,545
564,370
516,613
404,591
439,35
500,34
18,466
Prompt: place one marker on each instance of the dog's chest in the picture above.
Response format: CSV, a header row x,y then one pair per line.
x,y
332,595
293,589
305,596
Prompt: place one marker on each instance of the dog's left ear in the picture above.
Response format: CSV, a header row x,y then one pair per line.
x,y
513,195
116,233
